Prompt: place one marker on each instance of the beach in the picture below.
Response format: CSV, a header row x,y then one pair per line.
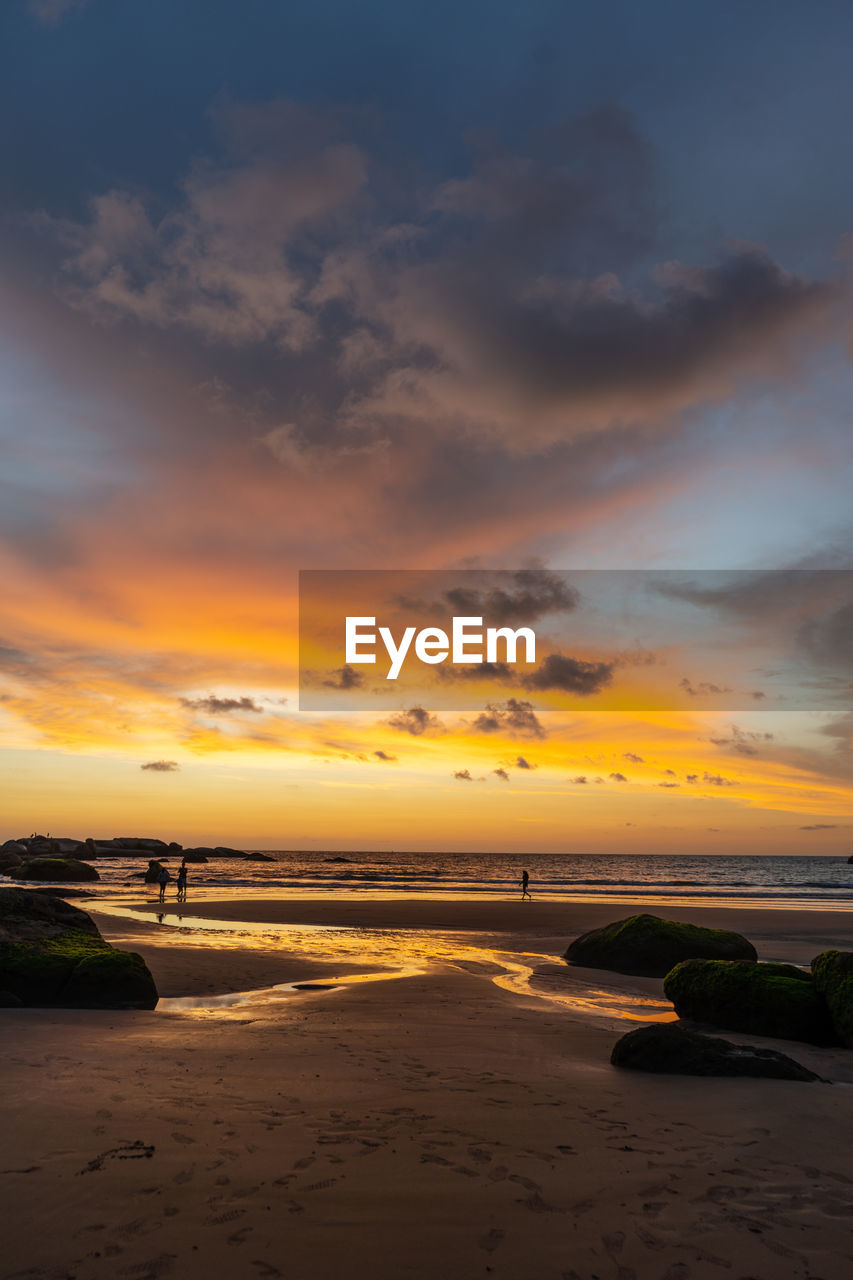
x,y
435,1104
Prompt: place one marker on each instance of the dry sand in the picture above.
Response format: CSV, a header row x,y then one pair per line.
x,y
433,1125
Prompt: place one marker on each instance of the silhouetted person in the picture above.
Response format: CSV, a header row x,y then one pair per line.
x,y
182,882
525,891
163,879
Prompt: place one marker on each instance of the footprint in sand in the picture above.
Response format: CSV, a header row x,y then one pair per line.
x,y
220,1218
491,1239
304,1162
182,1137
320,1186
478,1154
184,1175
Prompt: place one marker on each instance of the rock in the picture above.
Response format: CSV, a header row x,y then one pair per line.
x,y
175,847
52,955
222,851
337,859
14,846
41,847
257,857
54,869
650,946
154,869
672,1050
833,979
762,999
9,860
192,855
203,850
58,891
8,1001
138,843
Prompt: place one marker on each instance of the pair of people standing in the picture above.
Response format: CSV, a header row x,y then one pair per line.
x,y
163,879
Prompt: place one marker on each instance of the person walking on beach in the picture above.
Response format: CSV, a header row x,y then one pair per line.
x,y
525,891
182,883
163,879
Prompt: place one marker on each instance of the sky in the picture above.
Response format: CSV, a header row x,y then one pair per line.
x,y
417,287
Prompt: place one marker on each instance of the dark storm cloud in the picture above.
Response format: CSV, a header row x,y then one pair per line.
x,y
514,717
571,675
161,766
491,302
214,706
417,721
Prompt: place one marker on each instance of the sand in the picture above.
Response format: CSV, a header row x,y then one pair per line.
x,y
437,1124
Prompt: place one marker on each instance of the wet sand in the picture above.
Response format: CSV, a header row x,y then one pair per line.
x,y
439,1124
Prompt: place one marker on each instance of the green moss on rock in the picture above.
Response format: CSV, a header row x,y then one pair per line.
x,y
833,979
762,999
673,1050
650,946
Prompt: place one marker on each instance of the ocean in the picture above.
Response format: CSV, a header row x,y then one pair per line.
x,y
807,882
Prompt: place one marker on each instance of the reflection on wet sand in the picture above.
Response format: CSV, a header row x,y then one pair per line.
x,y
377,955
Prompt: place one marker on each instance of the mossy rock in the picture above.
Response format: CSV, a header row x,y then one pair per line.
x,y
59,869
673,1050
650,946
761,999
833,979
52,956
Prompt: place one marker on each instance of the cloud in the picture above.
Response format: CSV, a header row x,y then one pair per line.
x,y
345,677
669,784
161,766
493,303
821,826
630,755
716,780
214,706
521,763
670,772
572,675
618,777
383,755
581,779
533,594
464,775
417,721
51,12
502,774
742,741
514,717
702,689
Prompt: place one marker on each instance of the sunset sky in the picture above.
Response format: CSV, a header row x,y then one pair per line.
x,y
483,286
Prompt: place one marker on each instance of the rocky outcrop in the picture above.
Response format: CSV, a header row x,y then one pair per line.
x,y
222,851
59,869
761,999
672,1050
650,946
153,872
52,955
833,978
257,857
193,855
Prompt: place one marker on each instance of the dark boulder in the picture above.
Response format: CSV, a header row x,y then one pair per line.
x,y
257,857
52,956
672,1050
833,979
761,999
153,872
9,860
649,946
203,850
193,855
222,851
14,846
54,869
138,844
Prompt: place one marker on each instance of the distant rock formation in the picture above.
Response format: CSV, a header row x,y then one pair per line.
x,y
673,1050
52,955
650,946
59,869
